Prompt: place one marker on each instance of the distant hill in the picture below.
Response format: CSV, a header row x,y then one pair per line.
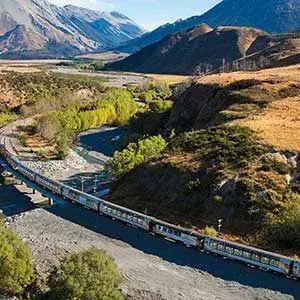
x,y
204,50
274,16
32,28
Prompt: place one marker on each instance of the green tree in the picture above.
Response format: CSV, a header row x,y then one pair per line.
x,y
62,146
91,275
16,267
135,154
160,105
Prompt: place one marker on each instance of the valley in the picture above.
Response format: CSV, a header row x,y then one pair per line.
x,y
149,164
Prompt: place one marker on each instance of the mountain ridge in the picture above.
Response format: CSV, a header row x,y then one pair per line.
x,y
226,48
80,29
274,16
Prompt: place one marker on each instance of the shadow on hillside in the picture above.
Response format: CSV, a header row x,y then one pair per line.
x,y
218,267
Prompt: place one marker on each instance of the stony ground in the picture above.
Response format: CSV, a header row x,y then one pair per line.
x,y
145,276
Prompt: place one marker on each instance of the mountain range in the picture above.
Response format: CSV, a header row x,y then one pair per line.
x,y
273,16
204,49
39,28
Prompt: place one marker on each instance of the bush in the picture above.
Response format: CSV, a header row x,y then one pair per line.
x,y
160,105
91,275
16,267
135,154
62,146
210,231
285,231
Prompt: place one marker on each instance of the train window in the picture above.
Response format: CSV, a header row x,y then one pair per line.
x,y
109,210
255,257
274,262
165,229
213,245
134,219
159,227
119,214
265,260
221,247
229,249
238,252
246,254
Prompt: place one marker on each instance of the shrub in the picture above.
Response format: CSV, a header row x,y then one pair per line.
x,y
285,231
219,148
62,146
210,231
91,275
160,105
135,154
16,267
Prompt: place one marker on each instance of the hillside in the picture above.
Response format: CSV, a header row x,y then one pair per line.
x,y
31,28
232,153
202,50
274,16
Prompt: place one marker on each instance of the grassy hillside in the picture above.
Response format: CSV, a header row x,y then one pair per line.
x,y
18,89
224,161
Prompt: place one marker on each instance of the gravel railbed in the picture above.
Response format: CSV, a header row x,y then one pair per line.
x,y
145,276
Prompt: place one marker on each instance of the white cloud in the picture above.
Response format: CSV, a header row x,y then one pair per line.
x,y
102,5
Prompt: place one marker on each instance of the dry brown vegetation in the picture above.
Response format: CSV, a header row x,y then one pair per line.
x,y
170,79
278,124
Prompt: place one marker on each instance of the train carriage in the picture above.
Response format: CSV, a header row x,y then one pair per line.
x,y
186,236
249,255
28,173
125,215
81,198
50,184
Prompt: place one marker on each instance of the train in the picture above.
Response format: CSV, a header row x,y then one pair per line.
x,y
250,256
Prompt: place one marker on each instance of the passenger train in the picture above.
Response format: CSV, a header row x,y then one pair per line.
x,y
248,255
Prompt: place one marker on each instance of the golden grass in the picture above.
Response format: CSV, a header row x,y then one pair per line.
x,y
279,124
285,74
170,79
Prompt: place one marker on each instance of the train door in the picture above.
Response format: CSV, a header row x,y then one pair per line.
x,y
296,269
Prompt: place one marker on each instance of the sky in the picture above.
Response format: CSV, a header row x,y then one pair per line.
x,y
147,13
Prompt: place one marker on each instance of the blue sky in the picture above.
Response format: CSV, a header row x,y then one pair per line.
x,y
148,13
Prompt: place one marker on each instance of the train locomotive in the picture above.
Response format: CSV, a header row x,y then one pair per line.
x,y
248,255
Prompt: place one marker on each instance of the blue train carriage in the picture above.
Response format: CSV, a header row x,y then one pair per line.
x,y
249,255
81,198
126,215
177,233
50,184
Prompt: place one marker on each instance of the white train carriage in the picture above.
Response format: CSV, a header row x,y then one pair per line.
x,y
186,236
81,198
296,269
50,184
249,255
125,215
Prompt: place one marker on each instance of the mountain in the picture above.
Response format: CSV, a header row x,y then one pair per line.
x,y
181,53
37,27
274,16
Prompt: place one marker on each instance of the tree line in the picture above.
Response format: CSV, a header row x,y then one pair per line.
x,y
115,107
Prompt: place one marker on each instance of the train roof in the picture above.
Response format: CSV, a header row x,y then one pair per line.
x,y
251,248
187,230
109,203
